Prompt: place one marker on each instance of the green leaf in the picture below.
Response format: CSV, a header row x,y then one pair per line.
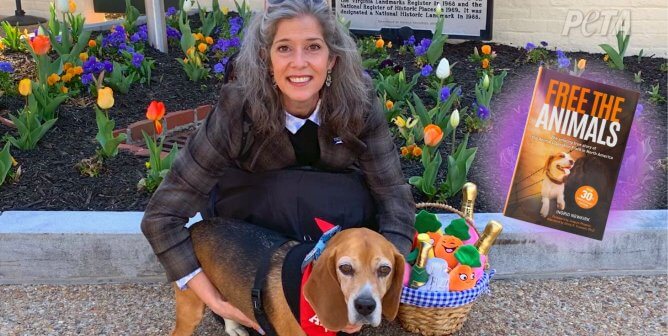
x,y
426,222
616,59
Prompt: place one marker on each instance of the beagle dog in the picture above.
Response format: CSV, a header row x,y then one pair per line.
x,y
357,278
557,168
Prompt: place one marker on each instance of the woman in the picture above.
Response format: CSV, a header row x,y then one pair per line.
x,y
300,98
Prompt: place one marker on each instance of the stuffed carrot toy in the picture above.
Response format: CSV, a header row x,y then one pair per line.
x,y
456,232
462,276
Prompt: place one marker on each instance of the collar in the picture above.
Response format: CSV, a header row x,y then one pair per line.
x,y
293,124
320,246
554,180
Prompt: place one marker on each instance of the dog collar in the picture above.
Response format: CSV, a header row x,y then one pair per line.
x,y
555,181
315,253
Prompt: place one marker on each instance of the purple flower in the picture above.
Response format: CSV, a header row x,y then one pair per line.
x,y
170,11
6,67
426,70
543,43
87,78
445,93
218,68
562,60
235,25
530,46
173,33
398,68
410,41
116,38
386,64
59,38
483,112
137,59
422,48
108,66
90,65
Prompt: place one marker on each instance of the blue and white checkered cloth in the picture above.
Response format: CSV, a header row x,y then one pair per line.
x,y
446,299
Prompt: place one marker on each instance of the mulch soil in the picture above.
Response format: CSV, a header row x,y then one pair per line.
x,y
50,181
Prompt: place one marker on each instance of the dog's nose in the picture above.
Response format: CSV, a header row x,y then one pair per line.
x,y
365,305
570,161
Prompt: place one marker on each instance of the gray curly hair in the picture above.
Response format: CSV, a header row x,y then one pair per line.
x,y
344,101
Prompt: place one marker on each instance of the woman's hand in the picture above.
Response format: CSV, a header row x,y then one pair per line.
x,y
202,286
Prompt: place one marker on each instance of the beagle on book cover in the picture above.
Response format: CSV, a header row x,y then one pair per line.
x,y
571,153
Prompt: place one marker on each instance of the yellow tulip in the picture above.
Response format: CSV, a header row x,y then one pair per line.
x,y
105,98
72,6
399,121
25,87
83,57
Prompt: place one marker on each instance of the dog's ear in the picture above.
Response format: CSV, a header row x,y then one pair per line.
x,y
549,160
323,291
391,298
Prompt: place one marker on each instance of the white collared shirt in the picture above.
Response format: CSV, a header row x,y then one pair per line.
x,y
293,124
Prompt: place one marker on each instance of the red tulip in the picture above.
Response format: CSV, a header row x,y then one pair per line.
x,y
155,111
40,44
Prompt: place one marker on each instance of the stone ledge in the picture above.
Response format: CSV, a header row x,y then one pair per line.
x,y
108,247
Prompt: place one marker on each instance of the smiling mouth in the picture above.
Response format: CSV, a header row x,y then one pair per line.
x,y
449,249
299,79
564,169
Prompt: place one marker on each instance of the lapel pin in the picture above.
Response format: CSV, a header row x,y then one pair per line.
x,y
338,141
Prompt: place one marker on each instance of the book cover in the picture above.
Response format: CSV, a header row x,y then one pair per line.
x,y
571,152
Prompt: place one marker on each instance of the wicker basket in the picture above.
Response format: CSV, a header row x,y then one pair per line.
x,y
431,321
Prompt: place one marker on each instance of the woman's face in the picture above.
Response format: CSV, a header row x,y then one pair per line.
x,y
299,62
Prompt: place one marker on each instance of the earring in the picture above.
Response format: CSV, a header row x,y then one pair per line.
x,y
328,80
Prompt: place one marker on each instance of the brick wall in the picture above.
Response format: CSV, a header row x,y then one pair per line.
x,y
517,22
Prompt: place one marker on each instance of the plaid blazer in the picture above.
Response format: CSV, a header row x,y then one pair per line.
x,y
217,144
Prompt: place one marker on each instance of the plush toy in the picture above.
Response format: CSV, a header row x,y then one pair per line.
x,y
456,232
437,269
462,276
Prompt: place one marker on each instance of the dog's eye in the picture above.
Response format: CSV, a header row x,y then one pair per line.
x,y
346,269
384,271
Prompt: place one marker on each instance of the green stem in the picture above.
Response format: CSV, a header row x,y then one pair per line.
x,y
453,142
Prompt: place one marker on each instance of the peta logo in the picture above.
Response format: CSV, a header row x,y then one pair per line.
x,y
315,320
601,22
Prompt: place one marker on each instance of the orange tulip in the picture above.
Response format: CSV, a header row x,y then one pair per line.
x,y
40,44
432,135
485,63
486,49
389,104
155,111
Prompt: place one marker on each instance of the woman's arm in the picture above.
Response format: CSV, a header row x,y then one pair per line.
x,y
382,171
184,191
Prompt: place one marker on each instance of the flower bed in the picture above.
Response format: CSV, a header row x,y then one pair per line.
x,y
49,180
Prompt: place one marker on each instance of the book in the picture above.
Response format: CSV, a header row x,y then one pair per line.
x,y
571,152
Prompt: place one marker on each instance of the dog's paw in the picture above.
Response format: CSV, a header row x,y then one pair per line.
x,y
232,328
544,211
